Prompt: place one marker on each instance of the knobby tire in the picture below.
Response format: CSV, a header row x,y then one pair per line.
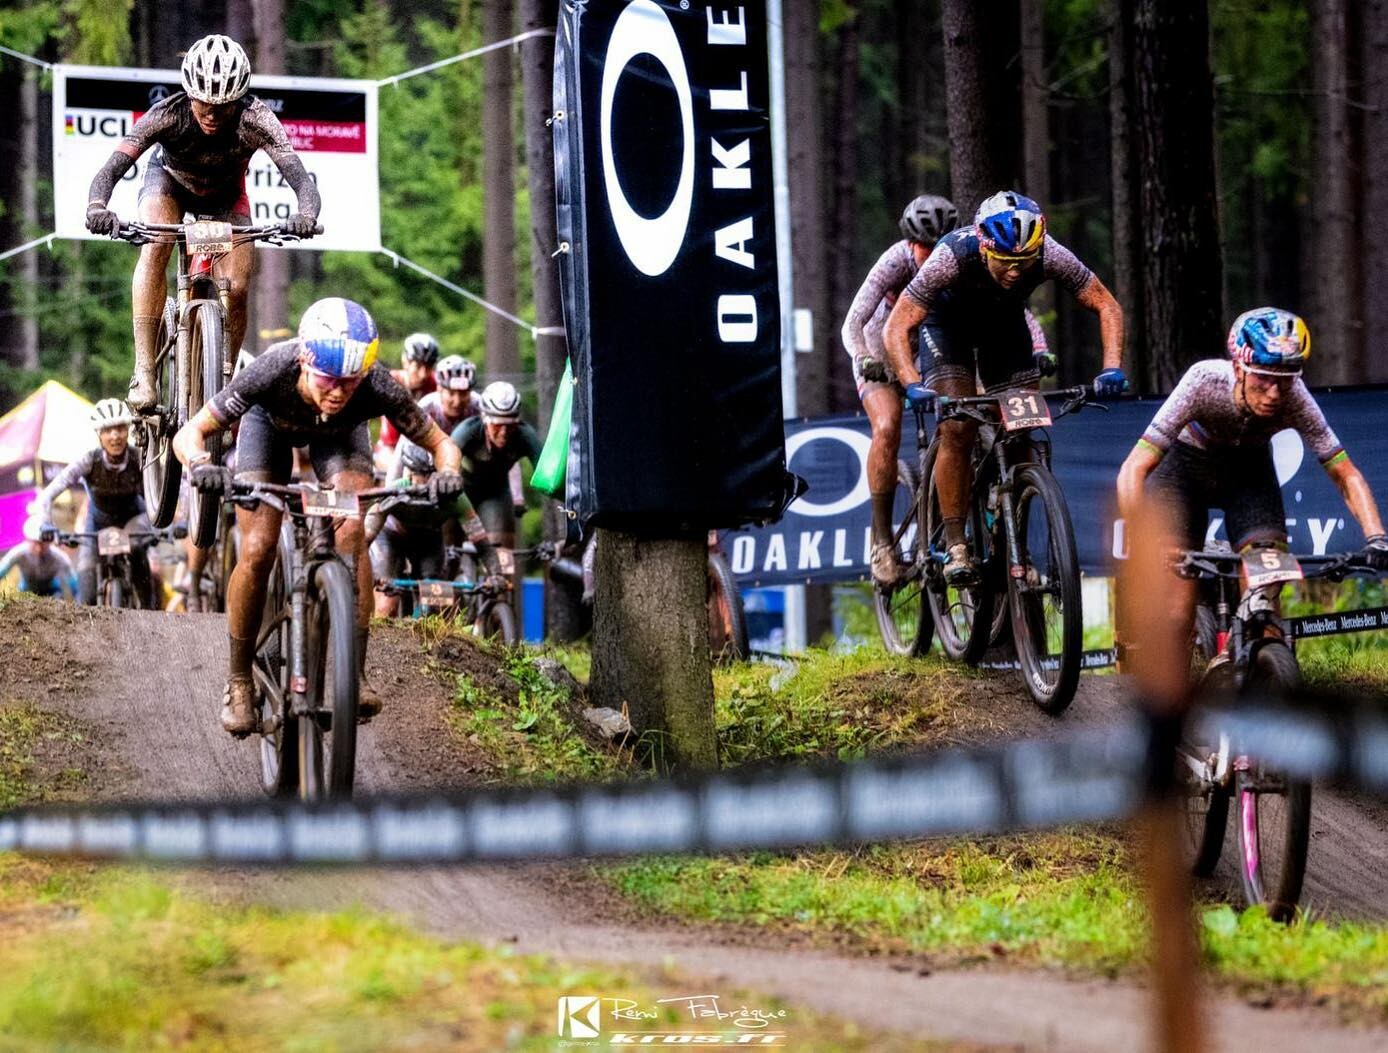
x,y
903,612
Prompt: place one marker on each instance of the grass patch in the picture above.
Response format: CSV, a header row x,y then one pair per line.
x,y
1065,900
532,733
27,732
825,704
121,960
1349,661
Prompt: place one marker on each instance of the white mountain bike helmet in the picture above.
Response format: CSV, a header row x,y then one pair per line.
x,y
455,373
501,403
216,70
110,412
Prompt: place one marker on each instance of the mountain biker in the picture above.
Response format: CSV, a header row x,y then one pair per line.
x,y
491,444
44,570
412,535
449,405
111,475
926,219
205,136
318,390
1210,444
418,376
968,300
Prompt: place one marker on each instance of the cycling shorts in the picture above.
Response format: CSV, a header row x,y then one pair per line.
x,y
232,206
498,513
420,552
996,350
265,452
1240,481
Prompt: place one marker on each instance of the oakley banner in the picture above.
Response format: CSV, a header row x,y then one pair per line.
x,y
668,266
332,124
825,535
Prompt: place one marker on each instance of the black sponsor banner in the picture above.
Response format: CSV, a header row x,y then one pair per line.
x,y
1337,622
664,204
96,93
824,536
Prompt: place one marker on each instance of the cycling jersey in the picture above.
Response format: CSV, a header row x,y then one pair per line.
x,y
43,569
1202,413
407,519
485,467
432,405
116,488
207,166
389,435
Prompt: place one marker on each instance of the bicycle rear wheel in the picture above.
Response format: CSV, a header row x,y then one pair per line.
x,y
1047,624
1272,810
205,380
727,617
963,617
1204,804
903,612
161,470
328,734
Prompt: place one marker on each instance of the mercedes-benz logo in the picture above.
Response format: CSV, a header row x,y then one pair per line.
x,y
158,93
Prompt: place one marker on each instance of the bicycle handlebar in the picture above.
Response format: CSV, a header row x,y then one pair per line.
x,y
243,492
139,233
1195,563
140,537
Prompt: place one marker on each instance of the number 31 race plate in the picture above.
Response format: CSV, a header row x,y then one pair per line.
x,y
1022,410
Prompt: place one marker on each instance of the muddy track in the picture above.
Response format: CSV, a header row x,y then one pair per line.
x,y
151,684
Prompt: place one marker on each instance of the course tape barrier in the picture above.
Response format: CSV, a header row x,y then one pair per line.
x,y
1336,622
1086,776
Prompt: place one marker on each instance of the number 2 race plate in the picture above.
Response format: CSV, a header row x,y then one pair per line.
x,y
1268,566
113,541
435,594
1023,410
339,504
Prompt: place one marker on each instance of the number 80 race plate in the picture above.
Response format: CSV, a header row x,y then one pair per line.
x,y
1023,410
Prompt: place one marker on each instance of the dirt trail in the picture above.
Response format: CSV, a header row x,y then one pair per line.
x,y
153,682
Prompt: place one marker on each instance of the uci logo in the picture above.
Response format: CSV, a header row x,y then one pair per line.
x,y
651,244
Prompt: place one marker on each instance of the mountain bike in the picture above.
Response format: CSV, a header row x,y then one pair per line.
x,y
306,662
1252,655
115,548
193,361
486,607
1018,529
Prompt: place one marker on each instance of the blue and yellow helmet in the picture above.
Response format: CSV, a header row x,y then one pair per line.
x,y
1270,340
1010,224
338,338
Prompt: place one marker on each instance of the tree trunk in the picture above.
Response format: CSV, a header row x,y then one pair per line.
x,y
981,82
1036,132
27,356
1181,260
498,193
804,111
565,618
651,645
270,314
1375,144
844,282
1127,235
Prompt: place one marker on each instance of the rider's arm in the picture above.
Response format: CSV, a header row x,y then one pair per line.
x,y
66,480
1094,296
190,444
1132,477
436,441
274,140
889,274
1039,344
911,309
1355,490
143,134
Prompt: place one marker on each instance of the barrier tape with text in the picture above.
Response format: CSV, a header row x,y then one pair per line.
x,y
1087,776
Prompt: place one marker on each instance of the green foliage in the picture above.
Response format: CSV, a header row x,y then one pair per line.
x,y
25,732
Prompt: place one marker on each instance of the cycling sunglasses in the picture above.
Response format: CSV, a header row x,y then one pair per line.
x,y
328,382
1003,257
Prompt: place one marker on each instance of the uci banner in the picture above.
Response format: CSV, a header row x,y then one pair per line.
x,y
668,264
825,535
332,124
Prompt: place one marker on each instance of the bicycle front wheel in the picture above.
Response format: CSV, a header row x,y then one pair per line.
x,y
903,612
1272,809
727,617
279,745
161,470
963,617
115,594
498,621
1047,624
328,734
205,380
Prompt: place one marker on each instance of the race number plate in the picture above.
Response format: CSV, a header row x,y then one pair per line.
x,y
113,541
339,504
206,238
1268,566
507,559
435,594
1022,410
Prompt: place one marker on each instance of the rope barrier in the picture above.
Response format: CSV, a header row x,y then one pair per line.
x,y
395,80
31,59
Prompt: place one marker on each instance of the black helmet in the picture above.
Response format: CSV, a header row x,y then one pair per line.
x,y
421,347
415,458
929,218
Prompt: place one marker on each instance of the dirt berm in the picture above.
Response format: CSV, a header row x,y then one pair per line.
x,y
146,687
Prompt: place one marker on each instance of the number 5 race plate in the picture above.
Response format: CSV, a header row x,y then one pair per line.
x,y
1023,410
1268,566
